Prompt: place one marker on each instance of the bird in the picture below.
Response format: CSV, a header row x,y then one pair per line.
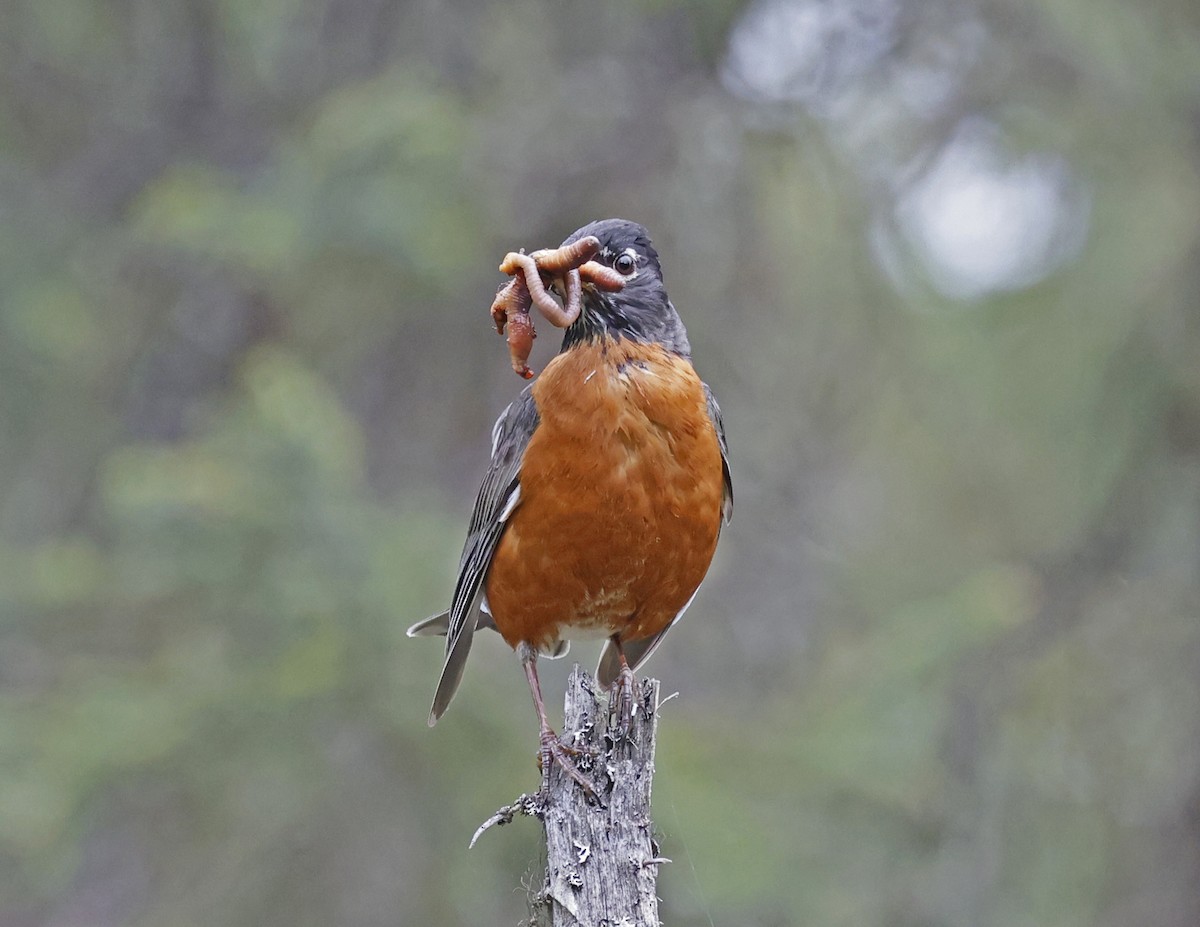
x,y
605,493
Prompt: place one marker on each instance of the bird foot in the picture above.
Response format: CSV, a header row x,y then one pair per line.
x,y
552,749
623,692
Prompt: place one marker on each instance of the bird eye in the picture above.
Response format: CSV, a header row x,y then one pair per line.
x,y
625,263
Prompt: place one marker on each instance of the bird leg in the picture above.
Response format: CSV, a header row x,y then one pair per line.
x,y
551,748
624,686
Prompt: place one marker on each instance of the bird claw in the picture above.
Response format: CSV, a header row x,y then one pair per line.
x,y
624,689
552,749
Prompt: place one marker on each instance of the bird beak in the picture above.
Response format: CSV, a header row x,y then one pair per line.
x,y
558,283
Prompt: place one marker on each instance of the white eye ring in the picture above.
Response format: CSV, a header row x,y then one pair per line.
x,y
626,262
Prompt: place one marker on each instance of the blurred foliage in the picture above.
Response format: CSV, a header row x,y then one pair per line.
x,y
941,264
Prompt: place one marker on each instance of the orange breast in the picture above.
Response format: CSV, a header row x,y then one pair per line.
x,y
620,504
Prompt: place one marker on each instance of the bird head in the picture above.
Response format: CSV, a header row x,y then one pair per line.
x,y
640,310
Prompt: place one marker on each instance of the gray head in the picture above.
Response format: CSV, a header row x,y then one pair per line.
x,y
641,311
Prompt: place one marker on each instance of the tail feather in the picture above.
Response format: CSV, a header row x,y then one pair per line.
x,y
452,671
636,653
433,625
456,652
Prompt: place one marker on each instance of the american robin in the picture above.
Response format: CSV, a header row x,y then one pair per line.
x,y
607,488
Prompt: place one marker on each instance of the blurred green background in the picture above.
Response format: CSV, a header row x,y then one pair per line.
x,y
940,261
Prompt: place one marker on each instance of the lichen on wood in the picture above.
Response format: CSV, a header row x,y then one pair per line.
x,y
601,858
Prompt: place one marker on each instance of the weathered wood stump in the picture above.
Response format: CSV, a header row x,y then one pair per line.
x,y
601,858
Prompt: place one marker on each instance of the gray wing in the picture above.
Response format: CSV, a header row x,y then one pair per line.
x,y
498,496
638,651
714,412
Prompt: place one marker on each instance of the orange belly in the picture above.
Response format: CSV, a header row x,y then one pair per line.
x,y
621,490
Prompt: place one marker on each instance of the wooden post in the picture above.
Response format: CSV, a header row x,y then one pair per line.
x,y
601,858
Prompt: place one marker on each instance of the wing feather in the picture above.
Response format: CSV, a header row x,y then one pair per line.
x,y
498,496
714,413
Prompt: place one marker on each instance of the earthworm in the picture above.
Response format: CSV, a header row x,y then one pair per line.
x,y
520,342
507,295
573,304
511,308
568,257
601,277
523,264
